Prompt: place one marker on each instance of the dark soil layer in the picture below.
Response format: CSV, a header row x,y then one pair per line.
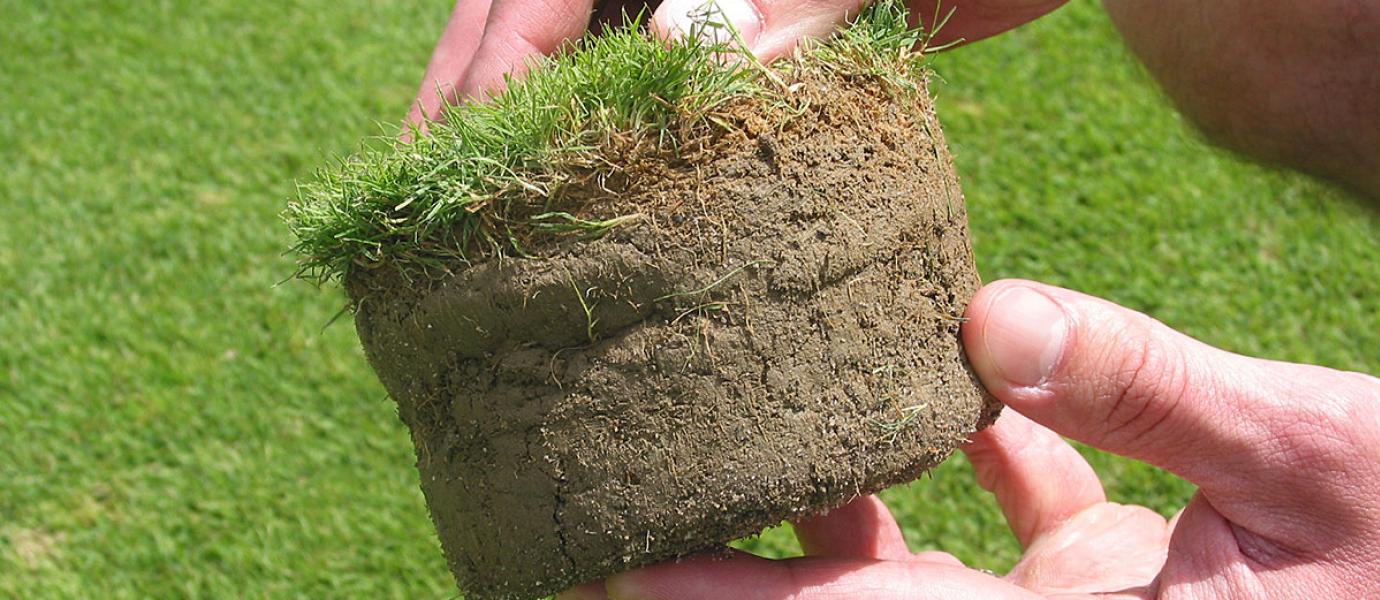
x,y
776,334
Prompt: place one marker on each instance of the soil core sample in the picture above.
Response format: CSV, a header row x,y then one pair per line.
x,y
757,323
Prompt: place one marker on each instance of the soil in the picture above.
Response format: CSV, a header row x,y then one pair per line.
x,y
774,335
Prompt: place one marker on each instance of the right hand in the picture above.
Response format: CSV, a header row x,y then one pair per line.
x,y
1287,458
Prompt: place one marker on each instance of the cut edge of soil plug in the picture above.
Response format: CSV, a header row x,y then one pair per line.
x,y
650,301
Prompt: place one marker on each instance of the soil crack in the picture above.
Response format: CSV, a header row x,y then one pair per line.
x,y
558,506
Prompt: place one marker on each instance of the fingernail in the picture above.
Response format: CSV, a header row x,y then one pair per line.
x,y
1023,337
708,20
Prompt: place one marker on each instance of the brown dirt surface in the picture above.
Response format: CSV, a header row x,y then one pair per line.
x,y
775,335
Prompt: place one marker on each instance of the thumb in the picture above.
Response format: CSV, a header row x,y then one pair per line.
x,y
770,29
1242,429
1283,452
1106,375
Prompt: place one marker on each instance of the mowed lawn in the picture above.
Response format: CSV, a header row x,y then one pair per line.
x,y
173,423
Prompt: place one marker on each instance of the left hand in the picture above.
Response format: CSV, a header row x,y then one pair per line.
x,y
1076,542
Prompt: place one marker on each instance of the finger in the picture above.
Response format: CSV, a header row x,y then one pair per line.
x,y
973,20
589,591
937,557
1282,449
1205,557
450,61
1105,548
1038,478
518,32
863,528
1110,377
769,29
745,577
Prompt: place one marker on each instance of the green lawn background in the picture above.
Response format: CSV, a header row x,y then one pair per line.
x,y
173,424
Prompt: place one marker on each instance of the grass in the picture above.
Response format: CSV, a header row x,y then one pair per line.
x,y
174,425
490,175
458,193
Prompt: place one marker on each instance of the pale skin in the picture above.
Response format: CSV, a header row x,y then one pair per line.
x,y
1287,457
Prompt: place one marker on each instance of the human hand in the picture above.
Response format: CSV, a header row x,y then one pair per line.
x,y
1287,458
486,40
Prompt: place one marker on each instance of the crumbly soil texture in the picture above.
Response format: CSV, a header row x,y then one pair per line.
x,y
772,333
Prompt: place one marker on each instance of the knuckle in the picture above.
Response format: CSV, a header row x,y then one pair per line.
x,y
1367,416
1145,387
1323,434
1333,421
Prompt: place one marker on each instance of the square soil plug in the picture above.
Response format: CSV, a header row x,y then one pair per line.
x,y
675,304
